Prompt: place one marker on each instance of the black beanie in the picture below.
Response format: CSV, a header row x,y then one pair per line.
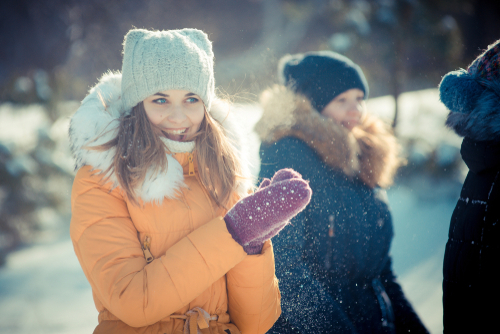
x,y
321,76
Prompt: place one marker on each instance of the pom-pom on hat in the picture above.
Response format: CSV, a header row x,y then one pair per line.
x,y
473,96
321,76
154,61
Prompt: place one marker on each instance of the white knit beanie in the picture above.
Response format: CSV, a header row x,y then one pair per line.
x,y
154,61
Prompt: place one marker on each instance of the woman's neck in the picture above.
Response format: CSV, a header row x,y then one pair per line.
x,y
179,146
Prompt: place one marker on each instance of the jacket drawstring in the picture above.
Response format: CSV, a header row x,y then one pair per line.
x,y
197,321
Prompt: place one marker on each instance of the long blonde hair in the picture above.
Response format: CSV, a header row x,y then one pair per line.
x,y
139,148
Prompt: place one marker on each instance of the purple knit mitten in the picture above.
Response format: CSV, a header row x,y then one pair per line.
x,y
255,246
263,214
285,174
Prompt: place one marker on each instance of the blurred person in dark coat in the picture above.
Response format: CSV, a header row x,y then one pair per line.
x,y
471,291
333,263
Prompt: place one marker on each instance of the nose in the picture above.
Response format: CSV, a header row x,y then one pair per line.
x,y
355,109
177,115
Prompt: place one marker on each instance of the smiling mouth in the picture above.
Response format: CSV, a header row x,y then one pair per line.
x,y
175,132
177,135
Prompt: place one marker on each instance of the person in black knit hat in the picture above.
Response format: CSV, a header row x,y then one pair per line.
x,y
321,76
471,290
333,262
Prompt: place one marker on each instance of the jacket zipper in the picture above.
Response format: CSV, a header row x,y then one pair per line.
x,y
145,249
147,239
191,164
207,196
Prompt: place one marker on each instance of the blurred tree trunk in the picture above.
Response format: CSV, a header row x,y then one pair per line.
x,y
404,12
480,27
397,72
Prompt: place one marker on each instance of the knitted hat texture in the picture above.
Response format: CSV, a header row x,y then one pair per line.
x,y
487,65
321,76
155,61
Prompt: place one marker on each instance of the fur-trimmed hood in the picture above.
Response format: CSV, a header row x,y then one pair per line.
x,y
96,122
369,151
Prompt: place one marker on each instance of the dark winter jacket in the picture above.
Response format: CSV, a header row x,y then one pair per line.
x,y
471,292
333,261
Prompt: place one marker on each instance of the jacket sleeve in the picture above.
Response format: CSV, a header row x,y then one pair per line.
x,y
253,292
406,320
106,244
307,307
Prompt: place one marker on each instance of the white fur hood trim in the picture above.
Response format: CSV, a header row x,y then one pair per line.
x,y
98,117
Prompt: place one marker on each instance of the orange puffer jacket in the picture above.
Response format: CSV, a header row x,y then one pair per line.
x,y
168,265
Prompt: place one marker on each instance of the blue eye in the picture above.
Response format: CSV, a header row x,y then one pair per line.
x,y
160,101
192,100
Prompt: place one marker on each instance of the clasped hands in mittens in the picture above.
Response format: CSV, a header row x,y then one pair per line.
x,y
260,216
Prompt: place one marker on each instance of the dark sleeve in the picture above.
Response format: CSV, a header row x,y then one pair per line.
x,y
306,305
406,320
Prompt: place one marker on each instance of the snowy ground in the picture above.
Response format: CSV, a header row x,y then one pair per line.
x,y
421,231
43,289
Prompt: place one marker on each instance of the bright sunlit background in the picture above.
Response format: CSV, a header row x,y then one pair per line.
x,y
53,51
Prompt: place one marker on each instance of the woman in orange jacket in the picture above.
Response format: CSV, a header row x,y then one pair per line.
x,y
162,222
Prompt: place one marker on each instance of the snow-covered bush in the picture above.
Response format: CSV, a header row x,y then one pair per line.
x,y
35,173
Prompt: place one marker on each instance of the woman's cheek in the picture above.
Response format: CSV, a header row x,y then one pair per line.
x,y
158,117
197,115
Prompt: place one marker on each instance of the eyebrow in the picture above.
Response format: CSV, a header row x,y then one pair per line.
x,y
166,95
